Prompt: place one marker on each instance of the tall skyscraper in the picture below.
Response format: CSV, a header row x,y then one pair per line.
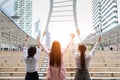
x,y
105,13
37,28
23,9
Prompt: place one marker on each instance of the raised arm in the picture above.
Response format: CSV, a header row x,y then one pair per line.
x,y
25,46
92,52
70,42
37,55
41,45
97,42
25,41
38,41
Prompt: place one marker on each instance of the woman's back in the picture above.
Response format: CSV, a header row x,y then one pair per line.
x,y
56,73
57,70
56,67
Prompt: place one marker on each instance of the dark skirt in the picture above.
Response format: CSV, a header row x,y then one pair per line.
x,y
82,74
32,76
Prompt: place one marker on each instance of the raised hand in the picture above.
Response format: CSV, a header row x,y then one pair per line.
x,y
99,38
25,41
38,38
38,41
72,36
27,37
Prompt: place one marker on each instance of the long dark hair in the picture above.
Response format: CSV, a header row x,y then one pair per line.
x,y
55,54
82,49
31,51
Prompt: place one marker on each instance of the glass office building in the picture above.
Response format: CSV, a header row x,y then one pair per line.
x,y
23,9
105,13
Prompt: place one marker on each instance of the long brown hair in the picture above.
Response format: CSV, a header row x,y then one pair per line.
x,y
55,54
82,49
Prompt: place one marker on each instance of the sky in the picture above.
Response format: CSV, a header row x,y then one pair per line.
x,y
84,17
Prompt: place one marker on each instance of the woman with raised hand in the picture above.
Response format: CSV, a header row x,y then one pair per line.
x,y
56,68
31,56
82,61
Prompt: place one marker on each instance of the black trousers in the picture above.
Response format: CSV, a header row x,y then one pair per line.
x,y
82,74
32,76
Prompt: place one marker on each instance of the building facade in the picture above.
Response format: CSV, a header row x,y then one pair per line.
x,y
37,30
105,13
106,18
23,9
